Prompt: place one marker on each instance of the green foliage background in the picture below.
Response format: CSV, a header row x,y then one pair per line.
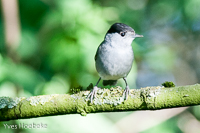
x,y
59,40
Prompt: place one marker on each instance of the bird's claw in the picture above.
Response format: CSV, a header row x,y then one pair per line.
x,y
93,93
126,92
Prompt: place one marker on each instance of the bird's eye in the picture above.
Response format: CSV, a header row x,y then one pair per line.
x,y
122,33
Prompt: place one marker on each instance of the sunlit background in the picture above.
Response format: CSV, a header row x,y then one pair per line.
x,y
48,47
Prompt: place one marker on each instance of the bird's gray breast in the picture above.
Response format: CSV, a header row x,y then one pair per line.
x,y
113,62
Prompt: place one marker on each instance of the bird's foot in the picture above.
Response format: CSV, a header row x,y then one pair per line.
x,y
126,92
93,93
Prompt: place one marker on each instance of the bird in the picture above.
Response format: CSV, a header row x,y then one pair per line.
x,y
114,57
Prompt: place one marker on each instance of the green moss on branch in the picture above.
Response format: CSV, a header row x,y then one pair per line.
x,y
107,100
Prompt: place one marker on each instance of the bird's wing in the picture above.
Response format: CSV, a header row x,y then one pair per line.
x,y
99,48
95,57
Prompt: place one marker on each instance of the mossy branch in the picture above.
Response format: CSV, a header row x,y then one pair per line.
x,y
107,100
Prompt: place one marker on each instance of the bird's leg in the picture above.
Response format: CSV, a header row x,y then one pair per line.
x,y
127,90
94,91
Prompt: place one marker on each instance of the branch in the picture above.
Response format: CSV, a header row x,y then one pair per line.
x,y
107,100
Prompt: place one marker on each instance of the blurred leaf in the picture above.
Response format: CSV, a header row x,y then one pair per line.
x,y
160,58
57,85
191,9
28,46
19,74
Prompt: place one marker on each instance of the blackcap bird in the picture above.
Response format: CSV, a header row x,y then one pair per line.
x,y
114,57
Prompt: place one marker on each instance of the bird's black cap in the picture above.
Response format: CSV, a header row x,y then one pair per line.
x,y
119,27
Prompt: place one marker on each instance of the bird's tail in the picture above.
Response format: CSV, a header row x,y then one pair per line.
x,y
109,82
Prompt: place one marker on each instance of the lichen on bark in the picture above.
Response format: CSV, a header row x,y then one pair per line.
x,y
107,100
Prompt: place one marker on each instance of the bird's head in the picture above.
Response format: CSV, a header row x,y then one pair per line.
x,y
121,33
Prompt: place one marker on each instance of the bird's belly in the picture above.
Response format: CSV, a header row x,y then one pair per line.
x,y
114,64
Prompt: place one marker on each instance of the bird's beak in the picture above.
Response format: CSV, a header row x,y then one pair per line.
x,y
136,35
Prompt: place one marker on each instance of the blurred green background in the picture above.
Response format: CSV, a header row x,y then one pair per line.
x,y
48,47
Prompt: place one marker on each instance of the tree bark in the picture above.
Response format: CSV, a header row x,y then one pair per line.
x,y
107,100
